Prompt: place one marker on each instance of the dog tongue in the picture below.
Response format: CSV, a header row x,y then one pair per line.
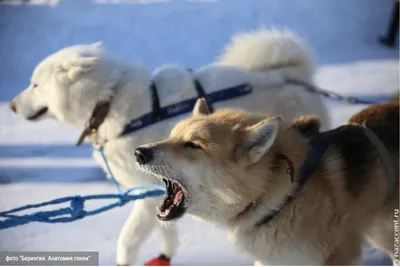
x,y
178,197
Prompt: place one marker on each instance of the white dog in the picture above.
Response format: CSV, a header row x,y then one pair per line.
x,y
84,83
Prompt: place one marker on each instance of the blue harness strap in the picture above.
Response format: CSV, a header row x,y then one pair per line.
x,y
159,114
184,107
318,147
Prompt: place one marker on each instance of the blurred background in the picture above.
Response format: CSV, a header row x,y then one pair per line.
x,y
39,162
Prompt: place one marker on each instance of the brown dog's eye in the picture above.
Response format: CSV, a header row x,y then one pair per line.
x,y
191,145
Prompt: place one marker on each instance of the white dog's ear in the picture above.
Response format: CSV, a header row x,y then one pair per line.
x,y
260,138
77,66
200,108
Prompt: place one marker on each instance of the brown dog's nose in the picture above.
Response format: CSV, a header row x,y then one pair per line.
x,y
143,155
13,106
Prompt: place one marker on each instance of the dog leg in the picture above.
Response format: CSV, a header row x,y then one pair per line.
x,y
135,231
381,233
258,263
348,252
169,245
169,239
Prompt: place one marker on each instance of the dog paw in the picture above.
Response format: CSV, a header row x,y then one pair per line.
x,y
258,263
159,261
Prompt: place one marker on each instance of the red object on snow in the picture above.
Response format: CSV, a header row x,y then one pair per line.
x,y
159,261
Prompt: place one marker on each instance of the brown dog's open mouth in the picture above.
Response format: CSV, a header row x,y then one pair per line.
x,y
38,114
173,206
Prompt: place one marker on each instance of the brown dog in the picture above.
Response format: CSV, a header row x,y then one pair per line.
x,y
288,194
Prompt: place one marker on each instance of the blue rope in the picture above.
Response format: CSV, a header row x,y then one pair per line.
x,y
76,210
100,149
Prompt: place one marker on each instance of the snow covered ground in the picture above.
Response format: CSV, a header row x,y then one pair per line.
x,y
39,162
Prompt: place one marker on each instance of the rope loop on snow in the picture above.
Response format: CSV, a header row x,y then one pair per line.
x,y
76,209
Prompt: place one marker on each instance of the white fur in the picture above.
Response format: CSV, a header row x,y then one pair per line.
x,y
278,47
71,81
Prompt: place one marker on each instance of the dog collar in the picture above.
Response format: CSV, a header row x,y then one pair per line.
x,y
254,203
98,116
318,147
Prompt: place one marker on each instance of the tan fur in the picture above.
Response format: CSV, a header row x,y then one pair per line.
x,y
326,222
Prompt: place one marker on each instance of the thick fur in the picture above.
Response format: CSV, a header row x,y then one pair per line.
x,y
237,164
73,80
383,120
283,49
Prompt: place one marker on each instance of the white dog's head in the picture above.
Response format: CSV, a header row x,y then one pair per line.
x,y
211,163
68,84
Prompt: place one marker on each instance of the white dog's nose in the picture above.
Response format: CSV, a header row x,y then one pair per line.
x,y
13,106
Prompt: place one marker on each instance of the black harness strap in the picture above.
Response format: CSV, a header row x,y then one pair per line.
x,y
202,94
155,101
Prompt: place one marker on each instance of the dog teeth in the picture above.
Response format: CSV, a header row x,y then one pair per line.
x,y
164,213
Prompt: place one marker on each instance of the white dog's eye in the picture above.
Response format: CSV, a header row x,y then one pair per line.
x,y
191,145
34,85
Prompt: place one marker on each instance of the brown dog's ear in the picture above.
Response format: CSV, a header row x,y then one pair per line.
x,y
200,108
260,138
308,126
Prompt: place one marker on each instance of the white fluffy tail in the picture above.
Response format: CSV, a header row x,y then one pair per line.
x,y
266,50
